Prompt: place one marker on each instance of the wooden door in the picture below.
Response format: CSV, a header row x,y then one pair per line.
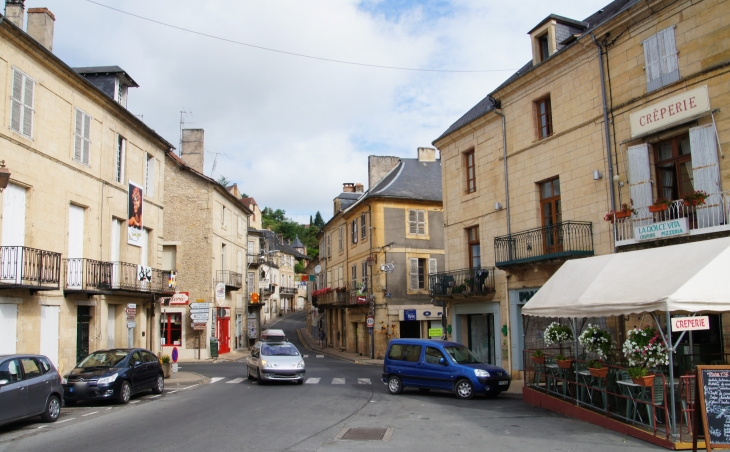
x,y
551,212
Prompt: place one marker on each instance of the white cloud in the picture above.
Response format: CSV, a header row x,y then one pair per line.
x,y
294,129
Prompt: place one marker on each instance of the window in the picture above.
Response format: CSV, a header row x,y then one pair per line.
x,y
353,274
475,254
660,59
30,368
10,370
223,215
340,232
21,105
223,256
674,167
119,158
82,137
416,222
552,215
120,94
329,245
418,273
471,181
432,270
148,357
171,329
433,355
402,352
544,48
250,282
544,117
364,272
353,231
363,226
149,176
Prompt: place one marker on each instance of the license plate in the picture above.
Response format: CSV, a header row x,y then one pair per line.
x,y
503,383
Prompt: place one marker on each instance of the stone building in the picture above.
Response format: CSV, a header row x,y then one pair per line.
x,y
82,217
623,107
206,240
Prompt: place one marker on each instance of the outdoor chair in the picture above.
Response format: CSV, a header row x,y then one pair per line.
x,y
538,372
688,405
658,399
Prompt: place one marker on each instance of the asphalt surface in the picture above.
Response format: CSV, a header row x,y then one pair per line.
x,y
232,413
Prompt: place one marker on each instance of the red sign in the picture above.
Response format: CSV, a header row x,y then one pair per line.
x,y
362,300
131,311
370,321
180,298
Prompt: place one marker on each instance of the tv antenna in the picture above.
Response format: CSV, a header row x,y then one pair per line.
x,y
215,160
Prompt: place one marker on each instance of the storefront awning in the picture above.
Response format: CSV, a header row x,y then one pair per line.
x,y
691,277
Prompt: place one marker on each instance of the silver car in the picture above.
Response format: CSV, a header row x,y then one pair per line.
x,y
29,386
275,361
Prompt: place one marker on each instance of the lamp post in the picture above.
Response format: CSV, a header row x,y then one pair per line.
x,y
371,298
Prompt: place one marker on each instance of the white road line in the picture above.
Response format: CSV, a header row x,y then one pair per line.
x,y
134,401
154,396
65,420
305,356
338,381
215,379
109,408
42,426
189,387
363,381
171,392
312,381
234,381
320,356
89,414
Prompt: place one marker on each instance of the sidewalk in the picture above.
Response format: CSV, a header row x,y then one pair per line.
x,y
185,379
514,391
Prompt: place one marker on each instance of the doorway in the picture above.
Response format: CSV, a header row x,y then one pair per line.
x,y
49,332
111,326
224,335
83,318
481,336
410,329
552,216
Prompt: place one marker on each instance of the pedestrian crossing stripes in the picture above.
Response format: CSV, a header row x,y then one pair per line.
x,y
235,380
309,381
305,356
338,381
320,356
363,381
312,381
215,379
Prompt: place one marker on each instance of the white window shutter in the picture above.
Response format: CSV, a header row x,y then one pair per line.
x,y
421,216
151,178
28,107
706,173
414,273
86,140
16,111
432,270
668,53
412,222
77,136
652,65
640,180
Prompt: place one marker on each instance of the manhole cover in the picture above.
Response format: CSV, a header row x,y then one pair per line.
x,y
365,434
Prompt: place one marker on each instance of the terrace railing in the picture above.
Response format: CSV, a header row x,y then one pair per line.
x,y
23,267
92,276
464,282
561,240
232,280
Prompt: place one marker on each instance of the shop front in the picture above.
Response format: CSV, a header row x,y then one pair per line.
x,y
420,323
517,299
476,325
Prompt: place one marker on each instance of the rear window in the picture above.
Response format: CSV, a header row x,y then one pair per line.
x,y
402,352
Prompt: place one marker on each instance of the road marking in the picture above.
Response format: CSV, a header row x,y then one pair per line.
x,y
305,356
169,392
89,414
42,426
134,401
109,408
363,381
320,356
338,381
189,387
235,380
65,420
154,396
312,381
215,379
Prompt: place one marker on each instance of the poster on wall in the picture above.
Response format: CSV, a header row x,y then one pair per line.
x,y
134,214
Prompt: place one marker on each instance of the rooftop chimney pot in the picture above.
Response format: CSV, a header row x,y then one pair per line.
x,y
40,26
14,11
426,154
348,188
192,150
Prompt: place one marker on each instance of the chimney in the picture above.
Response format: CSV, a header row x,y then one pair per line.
x,y
192,150
426,154
358,188
378,167
40,26
14,10
348,187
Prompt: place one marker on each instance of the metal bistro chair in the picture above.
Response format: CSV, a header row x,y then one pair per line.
x,y
538,371
628,397
551,374
688,399
658,399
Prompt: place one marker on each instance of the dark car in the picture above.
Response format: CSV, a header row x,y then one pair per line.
x,y
430,364
113,374
29,386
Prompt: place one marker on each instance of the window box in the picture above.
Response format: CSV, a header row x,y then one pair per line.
x,y
658,208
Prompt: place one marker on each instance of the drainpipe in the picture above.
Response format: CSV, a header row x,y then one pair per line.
x,y
498,107
607,131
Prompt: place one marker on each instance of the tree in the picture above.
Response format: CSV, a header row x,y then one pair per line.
x,y
310,220
276,221
223,181
318,221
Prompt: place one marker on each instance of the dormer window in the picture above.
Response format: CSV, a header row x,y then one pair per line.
x,y
543,47
552,34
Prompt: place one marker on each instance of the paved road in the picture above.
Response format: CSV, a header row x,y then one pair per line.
x,y
232,413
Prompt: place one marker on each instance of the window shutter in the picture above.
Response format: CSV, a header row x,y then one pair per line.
x,y
151,177
652,65
421,222
16,108
28,107
706,173
86,140
77,136
414,273
432,270
668,54
640,180
412,222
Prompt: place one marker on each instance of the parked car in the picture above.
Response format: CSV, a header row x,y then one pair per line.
x,y
29,386
275,361
273,335
430,364
113,374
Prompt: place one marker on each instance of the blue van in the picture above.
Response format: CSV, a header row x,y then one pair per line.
x,y
430,364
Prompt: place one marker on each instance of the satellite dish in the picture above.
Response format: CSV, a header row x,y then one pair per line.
x,y
318,269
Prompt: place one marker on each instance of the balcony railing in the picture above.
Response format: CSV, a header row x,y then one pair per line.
x,y
232,280
92,276
23,267
465,282
712,216
561,240
334,298
253,258
270,288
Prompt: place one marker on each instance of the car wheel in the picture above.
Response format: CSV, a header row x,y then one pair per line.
x,y
125,393
258,377
394,385
248,373
424,390
53,409
160,386
464,389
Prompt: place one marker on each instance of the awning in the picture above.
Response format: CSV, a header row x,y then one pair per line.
x,y
691,277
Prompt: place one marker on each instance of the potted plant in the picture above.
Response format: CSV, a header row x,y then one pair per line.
x,y
660,205
166,365
640,376
556,333
597,369
644,348
538,357
564,362
596,340
695,198
626,211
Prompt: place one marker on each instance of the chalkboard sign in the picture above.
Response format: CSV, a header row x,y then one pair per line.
x,y
713,409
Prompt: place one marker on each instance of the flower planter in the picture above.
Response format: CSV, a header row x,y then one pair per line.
x,y
658,208
167,370
621,215
538,359
565,363
599,373
644,381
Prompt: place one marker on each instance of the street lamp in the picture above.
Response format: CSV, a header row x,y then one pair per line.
x,y
4,176
371,298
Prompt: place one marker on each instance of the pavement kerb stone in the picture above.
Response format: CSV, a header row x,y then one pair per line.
x,y
186,379
306,338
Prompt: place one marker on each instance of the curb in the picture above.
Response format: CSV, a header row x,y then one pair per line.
x,y
324,352
202,379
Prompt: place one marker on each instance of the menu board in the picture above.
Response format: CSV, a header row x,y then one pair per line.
x,y
713,392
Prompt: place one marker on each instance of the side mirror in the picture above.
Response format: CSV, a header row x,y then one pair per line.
x,y
4,382
137,363
442,361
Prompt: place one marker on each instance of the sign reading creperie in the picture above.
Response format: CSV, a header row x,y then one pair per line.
x,y
670,111
691,323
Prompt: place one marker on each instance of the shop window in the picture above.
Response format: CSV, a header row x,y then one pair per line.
x,y
475,254
544,116
674,167
171,329
470,172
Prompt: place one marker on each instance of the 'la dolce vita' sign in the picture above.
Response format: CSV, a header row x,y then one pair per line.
x,y
662,230
670,111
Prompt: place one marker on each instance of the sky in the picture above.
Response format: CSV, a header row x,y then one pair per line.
x,y
288,129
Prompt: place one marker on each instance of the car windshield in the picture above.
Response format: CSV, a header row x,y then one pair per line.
x,y
279,350
461,354
110,358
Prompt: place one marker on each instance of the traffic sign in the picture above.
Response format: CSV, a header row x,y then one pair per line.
x,y
174,354
131,324
199,316
199,305
131,311
132,305
199,311
370,321
199,326
130,317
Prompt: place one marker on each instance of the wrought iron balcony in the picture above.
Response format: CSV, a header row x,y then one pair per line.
x,y
28,268
465,282
232,280
253,259
92,276
270,288
558,241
